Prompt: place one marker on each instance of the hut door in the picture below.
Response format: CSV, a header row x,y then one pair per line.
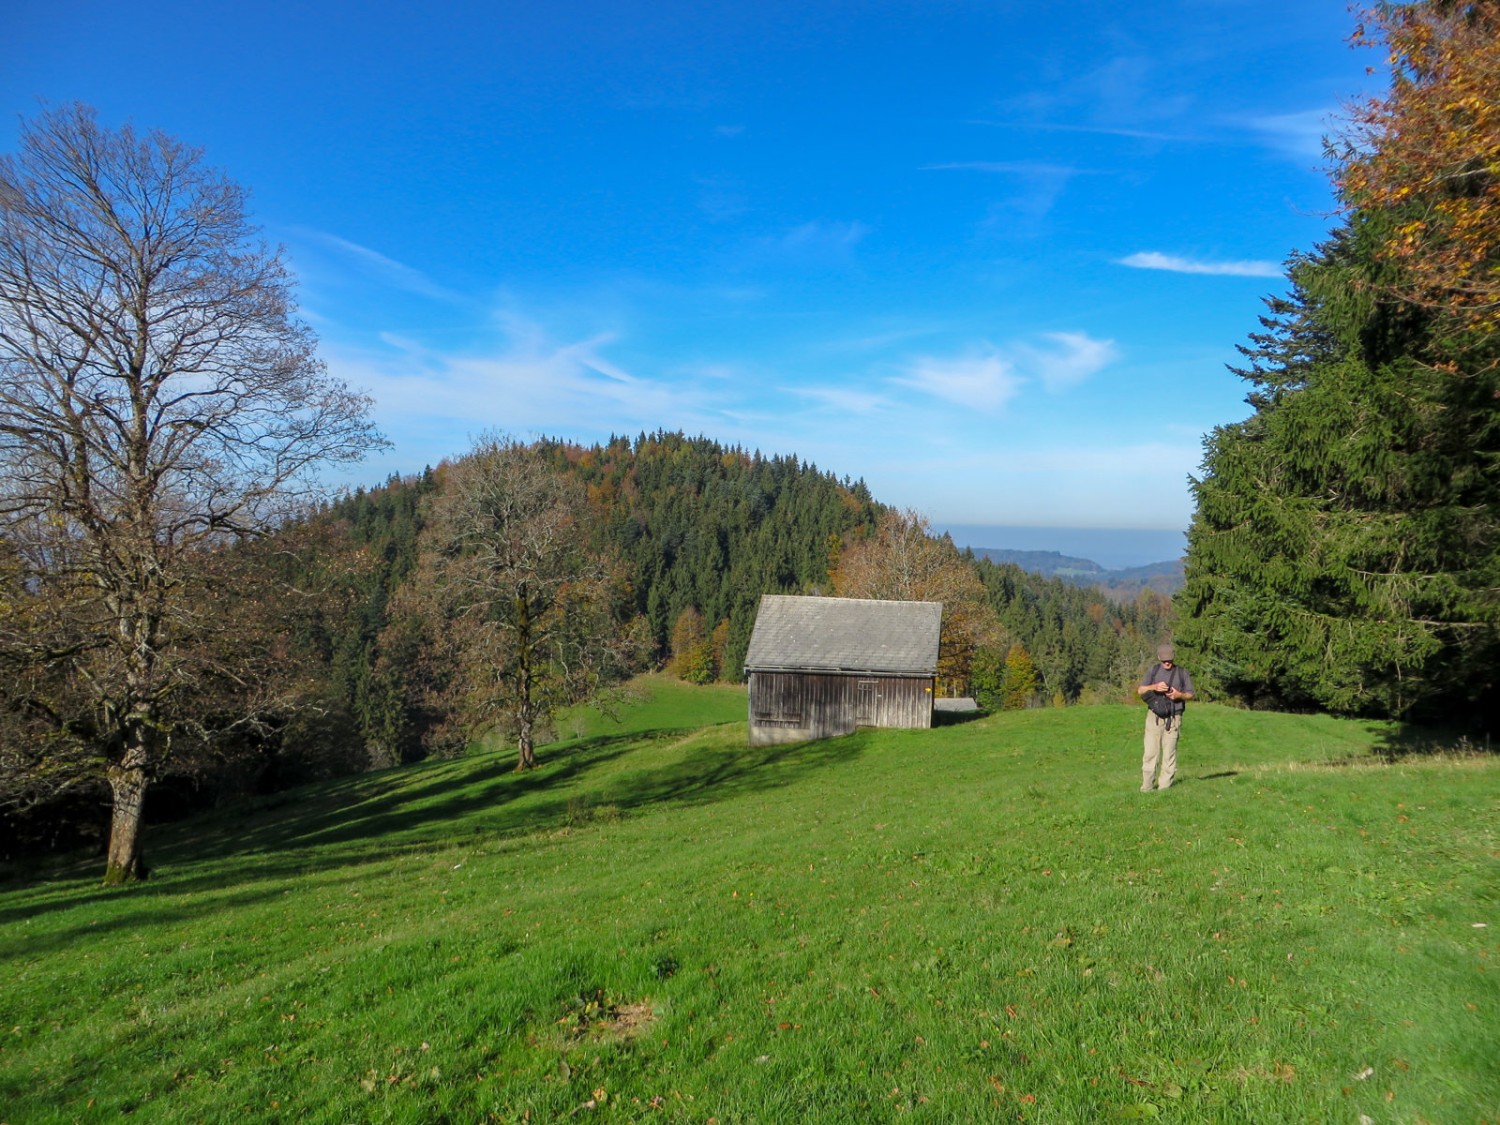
x,y
864,702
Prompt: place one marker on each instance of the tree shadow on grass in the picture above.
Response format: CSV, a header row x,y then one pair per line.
x,y
357,821
957,718
1404,741
315,824
434,795
710,774
454,805
150,905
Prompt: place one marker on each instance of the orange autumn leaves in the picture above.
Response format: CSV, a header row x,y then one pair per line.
x,y
903,561
1428,155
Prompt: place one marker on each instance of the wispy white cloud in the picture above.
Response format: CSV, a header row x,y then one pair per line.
x,y
812,243
879,339
1094,130
528,383
382,269
980,380
1298,134
1129,95
1037,187
843,399
819,235
1153,260
987,378
1066,359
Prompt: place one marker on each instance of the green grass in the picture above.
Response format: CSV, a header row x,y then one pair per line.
x,y
982,922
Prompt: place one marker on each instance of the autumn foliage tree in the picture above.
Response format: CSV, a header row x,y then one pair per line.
x,y
693,656
1020,681
1428,154
158,400
904,561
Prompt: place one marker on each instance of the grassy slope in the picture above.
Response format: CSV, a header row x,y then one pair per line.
x,y
980,922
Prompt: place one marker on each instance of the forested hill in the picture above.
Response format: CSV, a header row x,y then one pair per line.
x,y
708,527
703,530
695,524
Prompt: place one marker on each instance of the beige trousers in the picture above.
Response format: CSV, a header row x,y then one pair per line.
x,y
1161,748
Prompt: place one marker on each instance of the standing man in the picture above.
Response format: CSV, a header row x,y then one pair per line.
x,y
1166,690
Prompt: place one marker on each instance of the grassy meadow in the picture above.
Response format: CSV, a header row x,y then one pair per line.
x,y
982,922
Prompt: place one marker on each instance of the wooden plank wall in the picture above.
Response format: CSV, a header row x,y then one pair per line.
x,y
796,706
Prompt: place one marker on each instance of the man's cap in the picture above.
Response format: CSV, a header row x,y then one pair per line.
x,y
1166,652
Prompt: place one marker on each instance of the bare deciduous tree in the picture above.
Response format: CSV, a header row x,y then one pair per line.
x,y
533,607
158,397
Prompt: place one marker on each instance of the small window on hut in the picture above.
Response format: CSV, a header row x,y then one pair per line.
x,y
775,706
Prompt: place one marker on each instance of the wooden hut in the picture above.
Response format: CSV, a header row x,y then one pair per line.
x,y
821,667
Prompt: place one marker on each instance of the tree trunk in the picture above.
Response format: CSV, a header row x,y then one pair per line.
x,y
527,748
525,713
127,783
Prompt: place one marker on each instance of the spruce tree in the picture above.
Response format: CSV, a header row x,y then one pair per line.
x,y
1343,552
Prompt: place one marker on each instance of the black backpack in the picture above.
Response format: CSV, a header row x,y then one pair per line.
x,y
1161,704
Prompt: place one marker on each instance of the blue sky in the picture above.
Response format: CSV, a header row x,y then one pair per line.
x,y
991,257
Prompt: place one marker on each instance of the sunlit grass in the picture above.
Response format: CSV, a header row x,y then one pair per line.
x,y
985,921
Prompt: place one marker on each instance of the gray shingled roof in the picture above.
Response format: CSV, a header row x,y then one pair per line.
x,y
844,635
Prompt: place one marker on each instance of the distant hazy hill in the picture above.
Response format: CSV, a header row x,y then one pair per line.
x,y
1121,585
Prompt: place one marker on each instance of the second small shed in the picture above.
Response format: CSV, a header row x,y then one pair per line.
x,y
821,667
